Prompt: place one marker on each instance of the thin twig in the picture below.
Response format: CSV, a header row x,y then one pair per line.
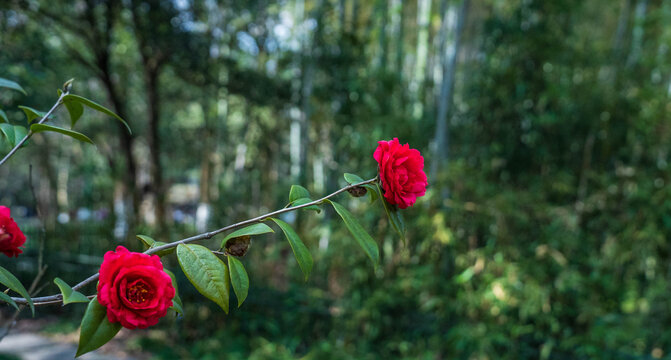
x,y
57,299
40,216
30,132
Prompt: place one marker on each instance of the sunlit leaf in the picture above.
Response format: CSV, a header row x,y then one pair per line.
x,y
207,273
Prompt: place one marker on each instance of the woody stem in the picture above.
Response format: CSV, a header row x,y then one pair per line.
x,y
57,299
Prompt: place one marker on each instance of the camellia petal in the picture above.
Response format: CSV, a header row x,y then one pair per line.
x,y
134,288
11,237
401,172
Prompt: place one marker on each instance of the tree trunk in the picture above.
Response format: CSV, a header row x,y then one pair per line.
x,y
299,140
637,32
383,10
621,27
397,25
342,14
450,55
306,111
416,87
208,160
127,141
611,80
153,109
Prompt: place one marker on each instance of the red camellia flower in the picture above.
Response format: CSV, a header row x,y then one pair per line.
x,y
11,236
401,172
134,288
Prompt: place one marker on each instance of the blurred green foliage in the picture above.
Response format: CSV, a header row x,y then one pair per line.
x,y
545,236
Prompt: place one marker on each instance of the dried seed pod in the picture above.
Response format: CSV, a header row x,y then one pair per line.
x,y
358,191
238,246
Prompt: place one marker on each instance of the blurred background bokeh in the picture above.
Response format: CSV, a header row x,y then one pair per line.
x,y
545,130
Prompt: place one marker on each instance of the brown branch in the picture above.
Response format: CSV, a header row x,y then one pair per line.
x,y
57,299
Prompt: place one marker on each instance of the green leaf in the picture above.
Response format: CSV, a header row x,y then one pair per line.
x,y
176,301
163,252
302,201
3,117
8,132
36,128
31,113
96,330
397,220
146,240
353,179
366,242
298,192
9,280
299,195
372,192
301,252
177,305
256,229
75,109
70,295
239,279
8,299
394,215
207,273
11,85
19,133
151,243
93,105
